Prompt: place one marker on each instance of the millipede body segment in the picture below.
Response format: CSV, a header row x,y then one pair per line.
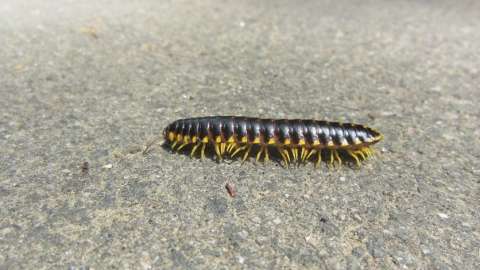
x,y
295,140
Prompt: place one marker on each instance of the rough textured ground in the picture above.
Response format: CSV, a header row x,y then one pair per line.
x,y
93,81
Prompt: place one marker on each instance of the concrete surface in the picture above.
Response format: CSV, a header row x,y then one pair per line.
x,y
94,81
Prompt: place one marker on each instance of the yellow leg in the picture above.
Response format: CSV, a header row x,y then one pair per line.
x,y
319,159
245,156
337,157
217,151
259,154
352,154
302,154
230,147
305,153
194,149
295,153
181,146
222,148
266,154
238,150
287,155
284,158
313,151
174,144
203,151
369,151
359,152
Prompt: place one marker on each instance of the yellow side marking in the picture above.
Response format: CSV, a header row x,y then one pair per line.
x,y
218,139
271,141
205,139
316,142
287,142
244,139
194,139
231,139
301,142
256,141
171,136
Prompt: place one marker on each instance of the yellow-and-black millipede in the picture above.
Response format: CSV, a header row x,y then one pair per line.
x,y
294,139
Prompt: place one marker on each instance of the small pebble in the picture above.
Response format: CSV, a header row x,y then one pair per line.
x,y
231,189
243,234
108,166
240,259
442,215
277,221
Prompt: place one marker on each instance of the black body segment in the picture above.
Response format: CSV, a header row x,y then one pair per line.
x,y
235,134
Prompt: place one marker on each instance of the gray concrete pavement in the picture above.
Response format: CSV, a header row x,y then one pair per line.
x,y
93,81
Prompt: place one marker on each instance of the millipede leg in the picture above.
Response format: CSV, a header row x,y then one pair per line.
x,y
331,158
359,152
337,157
245,156
238,150
266,154
222,148
230,147
319,159
174,144
352,154
259,154
295,153
311,153
194,149
370,152
282,154
203,151
181,146
287,155
217,150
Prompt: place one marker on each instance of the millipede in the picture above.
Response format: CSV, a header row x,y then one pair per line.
x,y
294,140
